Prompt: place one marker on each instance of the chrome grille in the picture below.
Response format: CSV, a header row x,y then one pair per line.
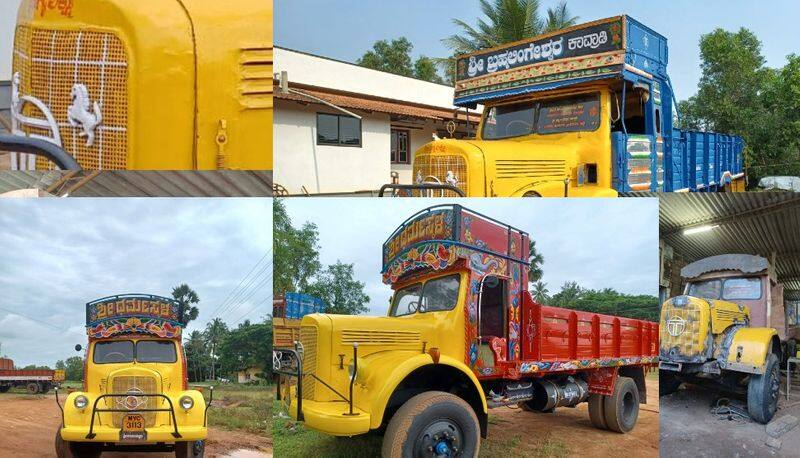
x,y
434,169
308,338
49,64
134,385
522,168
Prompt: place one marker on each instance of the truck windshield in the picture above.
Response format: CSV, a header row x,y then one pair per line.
x,y
125,351
436,295
570,114
728,289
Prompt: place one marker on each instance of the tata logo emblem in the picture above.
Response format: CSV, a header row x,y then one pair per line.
x,y
675,326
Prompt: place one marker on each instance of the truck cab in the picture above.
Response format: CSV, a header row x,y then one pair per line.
x,y
135,394
729,330
585,111
461,335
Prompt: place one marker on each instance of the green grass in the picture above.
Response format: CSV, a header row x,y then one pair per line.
x,y
242,407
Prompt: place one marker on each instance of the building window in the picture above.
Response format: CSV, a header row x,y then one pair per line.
x,y
338,130
400,147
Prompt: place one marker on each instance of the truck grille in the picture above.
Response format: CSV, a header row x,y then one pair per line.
x,y
134,385
50,63
690,342
308,337
522,168
433,169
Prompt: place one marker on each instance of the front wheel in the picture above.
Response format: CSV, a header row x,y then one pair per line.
x,y
433,423
668,383
194,449
33,388
763,391
66,449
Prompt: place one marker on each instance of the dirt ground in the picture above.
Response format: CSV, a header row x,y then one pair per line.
x,y
689,429
29,424
573,428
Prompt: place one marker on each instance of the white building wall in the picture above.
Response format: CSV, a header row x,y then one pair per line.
x,y
300,162
417,138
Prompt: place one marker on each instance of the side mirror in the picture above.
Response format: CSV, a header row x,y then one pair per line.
x,y
78,347
490,281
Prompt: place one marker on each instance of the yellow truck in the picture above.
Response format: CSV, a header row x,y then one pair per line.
x,y
145,85
729,330
135,395
586,111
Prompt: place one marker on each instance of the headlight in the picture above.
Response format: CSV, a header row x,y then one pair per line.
x,y
187,402
362,370
81,401
680,301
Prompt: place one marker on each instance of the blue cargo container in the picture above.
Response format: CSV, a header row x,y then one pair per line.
x,y
299,305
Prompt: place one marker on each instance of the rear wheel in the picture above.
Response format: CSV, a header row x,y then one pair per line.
x,y
597,411
622,407
194,449
763,391
33,388
668,383
434,423
4,388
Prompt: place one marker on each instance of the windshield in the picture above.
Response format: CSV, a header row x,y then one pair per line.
x,y
572,114
439,294
728,289
126,351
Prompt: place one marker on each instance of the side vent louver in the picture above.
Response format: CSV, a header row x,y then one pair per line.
x,y
255,89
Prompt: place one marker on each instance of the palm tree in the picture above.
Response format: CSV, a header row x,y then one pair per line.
x,y
535,261
216,331
186,297
508,21
197,355
540,292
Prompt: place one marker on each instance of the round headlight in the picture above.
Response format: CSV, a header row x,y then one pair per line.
x,y
187,402
81,401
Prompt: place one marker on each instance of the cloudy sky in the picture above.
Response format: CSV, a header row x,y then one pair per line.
x,y
611,243
58,254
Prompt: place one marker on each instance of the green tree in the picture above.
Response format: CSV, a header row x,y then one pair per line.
x,y
607,301
73,368
187,297
295,252
198,357
249,345
395,57
535,263
337,287
568,296
215,333
425,69
540,292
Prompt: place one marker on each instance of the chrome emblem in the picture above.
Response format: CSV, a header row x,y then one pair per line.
x,y
675,326
451,178
133,402
83,113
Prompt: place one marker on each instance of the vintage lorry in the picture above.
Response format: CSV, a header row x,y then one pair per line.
x,y
35,381
462,335
145,85
584,111
135,395
729,330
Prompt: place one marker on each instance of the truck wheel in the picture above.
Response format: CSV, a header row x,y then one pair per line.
x,y
66,449
668,383
32,388
597,411
763,391
45,388
432,423
4,388
622,407
194,449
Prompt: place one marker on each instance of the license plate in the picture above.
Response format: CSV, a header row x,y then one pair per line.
x,y
133,428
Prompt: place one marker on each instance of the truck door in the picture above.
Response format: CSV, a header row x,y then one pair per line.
x,y
637,138
492,321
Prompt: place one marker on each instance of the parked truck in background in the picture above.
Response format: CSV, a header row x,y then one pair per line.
x,y
729,330
150,84
287,312
462,335
35,381
584,111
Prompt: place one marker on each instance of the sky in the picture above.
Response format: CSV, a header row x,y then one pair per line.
x,y
609,243
59,254
345,29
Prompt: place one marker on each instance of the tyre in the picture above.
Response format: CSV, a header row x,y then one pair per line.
x,y
622,407
763,391
66,449
4,388
194,449
668,383
597,411
432,423
33,388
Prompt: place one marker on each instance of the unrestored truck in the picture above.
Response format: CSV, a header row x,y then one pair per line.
x,y
586,111
729,330
135,395
462,335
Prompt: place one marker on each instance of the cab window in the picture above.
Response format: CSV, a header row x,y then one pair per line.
x,y
574,114
742,289
117,351
439,294
155,351
406,301
506,121
708,289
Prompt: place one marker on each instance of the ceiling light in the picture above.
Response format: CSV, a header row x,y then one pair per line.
x,y
698,229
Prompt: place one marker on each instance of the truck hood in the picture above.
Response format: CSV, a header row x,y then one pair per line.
x,y
372,334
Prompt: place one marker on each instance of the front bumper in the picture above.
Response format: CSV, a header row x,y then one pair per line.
x,y
156,434
329,417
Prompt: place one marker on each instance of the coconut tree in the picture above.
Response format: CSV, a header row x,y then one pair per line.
x,y
216,331
535,261
540,292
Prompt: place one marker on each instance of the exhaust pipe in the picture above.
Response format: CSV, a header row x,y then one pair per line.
x,y
549,394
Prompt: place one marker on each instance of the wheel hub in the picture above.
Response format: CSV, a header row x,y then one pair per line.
x,y
442,438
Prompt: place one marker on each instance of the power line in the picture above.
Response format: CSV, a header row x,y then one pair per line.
x,y
35,319
245,299
247,292
248,283
240,283
258,306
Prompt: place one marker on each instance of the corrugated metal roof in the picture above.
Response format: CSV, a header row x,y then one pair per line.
x,y
224,183
750,223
